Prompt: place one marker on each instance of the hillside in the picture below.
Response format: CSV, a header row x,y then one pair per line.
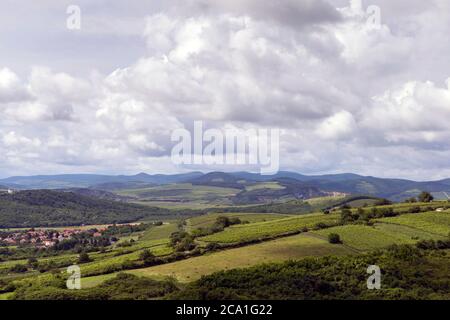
x,y
115,186
289,189
55,208
99,194
219,179
393,189
87,180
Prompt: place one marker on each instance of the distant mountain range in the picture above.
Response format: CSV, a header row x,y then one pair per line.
x,y
89,180
394,189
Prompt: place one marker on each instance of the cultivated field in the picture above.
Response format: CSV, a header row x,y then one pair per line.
x,y
432,222
208,220
282,237
404,229
182,195
261,230
293,247
365,238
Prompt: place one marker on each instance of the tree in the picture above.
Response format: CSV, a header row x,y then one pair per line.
x,y
32,262
347,216
411,200
186,244
211,246
19,268
334,238
425,196
383,202
84,258
146,255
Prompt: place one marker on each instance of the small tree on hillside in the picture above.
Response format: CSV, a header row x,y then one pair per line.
x,y
146,255
84,258
411,200
32,262
334,238
425,197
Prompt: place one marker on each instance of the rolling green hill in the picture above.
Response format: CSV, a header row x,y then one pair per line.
x,y
40,208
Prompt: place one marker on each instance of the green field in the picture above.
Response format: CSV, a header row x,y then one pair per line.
x,y
413,233
432,222
365,238
405,229
265,185
362,202
277,233
208,220
293,247
322,202
5,296
181,195
261,230
90,282
159,232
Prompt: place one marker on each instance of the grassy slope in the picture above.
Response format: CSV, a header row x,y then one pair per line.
x,y
405,229
433,222
294,247
169,190
208,220
269,228
364,237
159,232
387,231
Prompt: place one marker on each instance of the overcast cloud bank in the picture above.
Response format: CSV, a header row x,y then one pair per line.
x,y
348,96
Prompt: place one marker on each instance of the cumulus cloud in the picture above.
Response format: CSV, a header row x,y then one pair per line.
x,y
415,114
298,14
338,126
11,88
348,94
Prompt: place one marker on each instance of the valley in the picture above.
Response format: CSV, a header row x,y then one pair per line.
x,y
172,237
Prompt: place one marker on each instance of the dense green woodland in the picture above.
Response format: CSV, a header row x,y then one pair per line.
x,y
55,208
407,273
122,287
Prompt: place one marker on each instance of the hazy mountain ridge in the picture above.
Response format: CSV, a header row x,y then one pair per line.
x,y
395,189
88,180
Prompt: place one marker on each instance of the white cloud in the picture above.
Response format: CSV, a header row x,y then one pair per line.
x,y
341,89
339,126
415,114
11,88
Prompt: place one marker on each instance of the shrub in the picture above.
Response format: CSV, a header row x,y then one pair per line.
x,y
32,262
212,246
414,210
319,226
146,255
19,268
383,202
425,197
84,258
334,238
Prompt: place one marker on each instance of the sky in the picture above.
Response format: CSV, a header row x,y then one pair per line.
x,y
349,92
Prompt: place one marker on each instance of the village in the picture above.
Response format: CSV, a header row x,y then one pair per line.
x,y
42,238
